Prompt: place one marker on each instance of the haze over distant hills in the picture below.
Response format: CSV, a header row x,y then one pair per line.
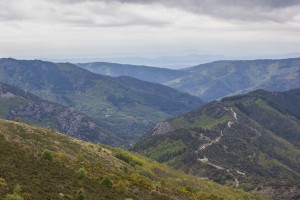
x,y
214,80
146,73
187,60
179,61
222,78
129,108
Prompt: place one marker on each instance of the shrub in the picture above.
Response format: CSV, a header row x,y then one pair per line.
x,y
121,186
13,197
3,183
80,195
189,189
106,182
17,189
16,195
82,173
48,155
17,119
128,159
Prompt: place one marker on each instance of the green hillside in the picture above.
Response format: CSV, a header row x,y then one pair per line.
x,y
243,140
222,78
130,110
49,165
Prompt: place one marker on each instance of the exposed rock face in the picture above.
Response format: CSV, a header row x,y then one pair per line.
x,y
4,93
71,122
162,128
34,110
67,120
280,190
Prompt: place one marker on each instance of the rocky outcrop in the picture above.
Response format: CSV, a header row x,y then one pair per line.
x,y
162,128
34,110
4,93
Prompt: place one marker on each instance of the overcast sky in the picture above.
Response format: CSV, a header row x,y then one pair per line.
x,y
108,28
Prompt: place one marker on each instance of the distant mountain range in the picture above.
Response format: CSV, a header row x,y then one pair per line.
x,y
248,140
180,61
214,80
128,108
222,78
152,74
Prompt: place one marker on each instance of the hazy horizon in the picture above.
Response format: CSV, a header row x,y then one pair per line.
x,y
84,30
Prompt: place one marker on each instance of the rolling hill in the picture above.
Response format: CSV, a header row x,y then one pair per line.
x,y
26,107
126,107
246,140
42,164
222,78
151,74
214,80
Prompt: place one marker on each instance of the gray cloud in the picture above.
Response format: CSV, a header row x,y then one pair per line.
x,y
245,10
79,13
142,27
111,13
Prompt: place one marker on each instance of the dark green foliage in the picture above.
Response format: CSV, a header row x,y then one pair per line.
x,y
48,155
127,158
106,182
273,110
80,195
82,173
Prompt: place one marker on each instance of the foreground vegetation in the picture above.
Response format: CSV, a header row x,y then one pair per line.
x,y
49,165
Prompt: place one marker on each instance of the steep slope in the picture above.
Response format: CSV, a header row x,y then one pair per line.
x,y
222,78
246,140
48,165
151,74
127,110
18,104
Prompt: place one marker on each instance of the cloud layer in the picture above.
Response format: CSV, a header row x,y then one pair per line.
x,y
254,10
97,28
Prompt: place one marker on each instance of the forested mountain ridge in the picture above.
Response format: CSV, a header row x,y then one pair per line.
x,y
17,104
214,80
246,140
129,110
218,79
